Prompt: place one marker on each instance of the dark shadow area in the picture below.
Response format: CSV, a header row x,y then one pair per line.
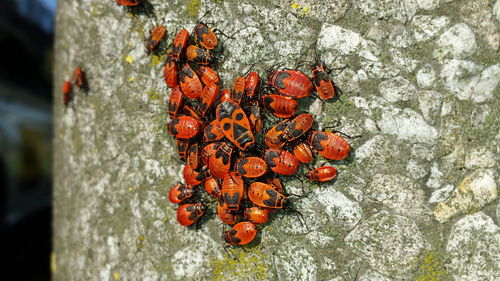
x,y
26,48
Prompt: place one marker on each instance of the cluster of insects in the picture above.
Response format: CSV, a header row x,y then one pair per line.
x,y
78,80
229,151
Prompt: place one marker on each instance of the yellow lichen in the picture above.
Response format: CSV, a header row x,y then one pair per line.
x,y
154,95
129,59
117,276
295,5
193,7
139,244
431,268
245,265
131,78
155,59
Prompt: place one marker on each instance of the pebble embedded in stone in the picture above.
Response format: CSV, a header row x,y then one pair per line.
x,y
427,27
480,158
397,89
426,77
398,193
473,193
430,105
407,125
428,5
370,240
441,194
457,42
474,248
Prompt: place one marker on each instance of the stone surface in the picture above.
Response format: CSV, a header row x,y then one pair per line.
x,y
472,194
441,194
428,27
457,42
474,248
426,77
397,89
398,193
371,239
478,15
430,105
407,125
417,84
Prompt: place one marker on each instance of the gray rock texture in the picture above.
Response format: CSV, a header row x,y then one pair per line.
x,y
416,200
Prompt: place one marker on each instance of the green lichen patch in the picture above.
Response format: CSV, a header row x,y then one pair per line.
x,y
245,265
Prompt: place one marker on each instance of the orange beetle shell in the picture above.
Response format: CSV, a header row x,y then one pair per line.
x,y
234,124
193,156
170,72
157,35
275,183
224,214
251,167
194,177
241,234
212,187
184,127
204,36
128,2
179,193
256,215
266,196
208,75
274,137
281,162
79,77
280,106
207,151
322,174
187,214
298,126
233,190
182,148
220,161
329,145
238,90
212,132
190,83
179,44
303,153
199,56
207,98
189,111
291,83
251,84
322,82
175,101
66,92
255,117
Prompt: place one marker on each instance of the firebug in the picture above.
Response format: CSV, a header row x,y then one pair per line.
x,y
329,145
241,233
280,106
281,162
187,214
180,192
190,83
292,83
184,127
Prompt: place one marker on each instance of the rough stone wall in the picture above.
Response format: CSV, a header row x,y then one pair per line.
x,y
416,200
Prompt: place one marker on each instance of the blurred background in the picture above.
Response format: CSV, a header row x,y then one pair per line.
x,y
26,50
